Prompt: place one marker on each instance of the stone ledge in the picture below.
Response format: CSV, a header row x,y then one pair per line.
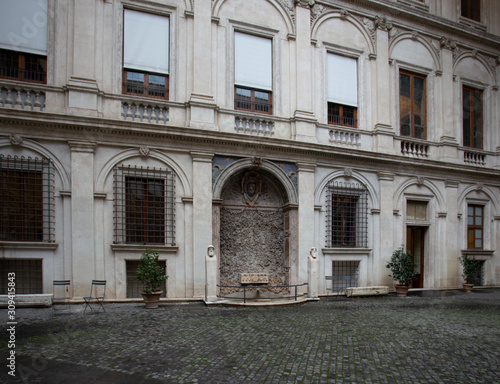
x,y
38,300
367,291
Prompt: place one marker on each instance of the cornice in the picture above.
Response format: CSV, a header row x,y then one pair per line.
x,y
100,131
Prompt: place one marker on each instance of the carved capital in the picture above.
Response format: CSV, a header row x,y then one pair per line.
x,y
305,3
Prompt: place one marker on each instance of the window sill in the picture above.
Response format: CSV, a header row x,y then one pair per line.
x,y
479,254
27,245
347,251
141,247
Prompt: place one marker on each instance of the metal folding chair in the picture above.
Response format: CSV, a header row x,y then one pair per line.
x,y
97,292
60,294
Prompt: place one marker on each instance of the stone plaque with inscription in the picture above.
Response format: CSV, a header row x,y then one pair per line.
x,y
254,278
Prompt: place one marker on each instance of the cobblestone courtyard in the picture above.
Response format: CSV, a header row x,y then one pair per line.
x,y
451,338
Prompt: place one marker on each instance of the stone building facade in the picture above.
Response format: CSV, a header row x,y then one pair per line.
x,y
263,127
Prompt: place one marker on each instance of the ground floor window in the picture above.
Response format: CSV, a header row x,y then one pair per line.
x,y
133,286
28,274
345,274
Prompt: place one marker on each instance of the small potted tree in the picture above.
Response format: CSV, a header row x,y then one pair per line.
x,y
401,266
151,275
470,266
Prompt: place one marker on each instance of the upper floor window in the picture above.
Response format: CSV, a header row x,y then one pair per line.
x,y
475,215
253,84
26,199
146,54
342,90
347,220
412,112
470,9
144,206
23,41
472,117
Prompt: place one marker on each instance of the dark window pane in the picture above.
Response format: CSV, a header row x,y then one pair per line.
x,y
156,87
135,82
478,124
9,64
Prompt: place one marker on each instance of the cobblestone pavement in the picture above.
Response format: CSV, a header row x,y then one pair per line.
x,y
447,338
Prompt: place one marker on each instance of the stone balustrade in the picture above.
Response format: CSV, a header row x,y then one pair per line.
x,y
145,113
474,158
414,149
21,98
340,137
254,126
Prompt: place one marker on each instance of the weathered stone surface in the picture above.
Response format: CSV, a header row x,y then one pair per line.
x,y
367,291
254,278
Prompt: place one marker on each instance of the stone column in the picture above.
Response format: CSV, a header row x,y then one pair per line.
x,y
304,121
202,104
387,230
82,217
381,90
306,220
202,217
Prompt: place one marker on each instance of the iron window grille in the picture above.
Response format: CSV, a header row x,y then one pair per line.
x,y
28,276
345,274
144,205
23,66
134,288
347,215
26,199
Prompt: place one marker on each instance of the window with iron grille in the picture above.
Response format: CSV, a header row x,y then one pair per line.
x,y
344,274
144,206
133,287
23,66
347,219
472,118
26,199
344,115
28,276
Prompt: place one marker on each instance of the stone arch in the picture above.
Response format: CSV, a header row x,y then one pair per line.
x,y
399,193
131,153
272,168
484,190
45,152
417,38
372,195
286,13
479,58
348,18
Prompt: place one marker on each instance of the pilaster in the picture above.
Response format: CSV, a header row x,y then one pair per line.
x,y
202,217
387,229
449,245
304,119
82,217
306,219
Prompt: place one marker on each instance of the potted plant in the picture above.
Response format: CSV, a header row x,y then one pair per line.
x,y
470,266
151,275
401,266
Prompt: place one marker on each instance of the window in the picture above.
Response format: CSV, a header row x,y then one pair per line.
x,y
26,199
28,276
475,214
253,73
347,221
416,210
133,287
144,206
146,54
345,274
412,105
342,90
472,118
470,9
23,41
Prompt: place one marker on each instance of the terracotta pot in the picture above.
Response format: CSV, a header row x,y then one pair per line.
x,y
402,290
151,299
467,287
